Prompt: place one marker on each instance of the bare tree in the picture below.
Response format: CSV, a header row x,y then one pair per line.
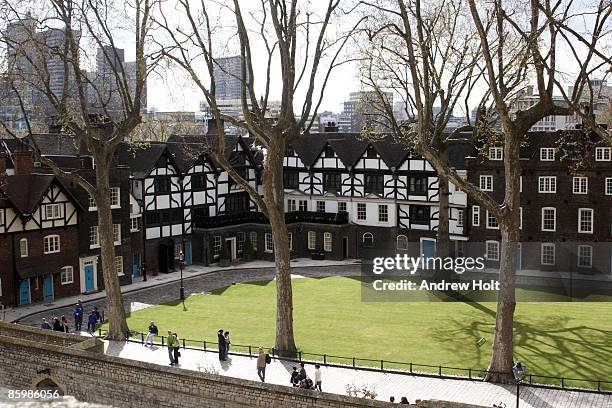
x,y
295,48
48,51
521,43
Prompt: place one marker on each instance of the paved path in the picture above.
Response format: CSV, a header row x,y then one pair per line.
x,y
385,384
198,279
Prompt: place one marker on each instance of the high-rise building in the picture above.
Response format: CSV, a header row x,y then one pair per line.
x,y
228,77
364,107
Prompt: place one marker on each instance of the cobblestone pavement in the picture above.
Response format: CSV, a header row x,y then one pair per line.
x,y
384,384
194,284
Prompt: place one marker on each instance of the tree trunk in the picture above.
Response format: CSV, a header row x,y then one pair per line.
x,y
274,193
500,366
443,234
117,325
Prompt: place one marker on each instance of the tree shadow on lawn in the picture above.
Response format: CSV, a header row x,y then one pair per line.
x,y
581,350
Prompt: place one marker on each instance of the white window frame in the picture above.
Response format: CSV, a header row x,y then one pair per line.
x,y
580,185
67,275
547,184
94,232
370,235
460,218
268,243
520,217
497,251
603,154
547,154
592,216
240,237
291,205
490,217
216,246
543,259
312,240
303,205
607,186
115,196
582,256
1,217
496,153
23,247
476,216
362,215
92,203
117,234
51,244
343,204
321,206
119,265
327,241
543,220
290,236
56,211
397,243
253,238
383,213
134,224
486,182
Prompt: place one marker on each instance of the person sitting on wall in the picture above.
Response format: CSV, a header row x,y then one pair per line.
x,y
45,324
295,377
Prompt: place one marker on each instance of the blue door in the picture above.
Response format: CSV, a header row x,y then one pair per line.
x,y
89,278
136,265
24,292
48,288
187,247
428,248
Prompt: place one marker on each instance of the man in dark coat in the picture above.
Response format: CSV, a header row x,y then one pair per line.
x,y
57,326
78,315
222,344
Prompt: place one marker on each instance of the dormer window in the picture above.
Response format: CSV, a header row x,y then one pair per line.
x,y
328,152
371,153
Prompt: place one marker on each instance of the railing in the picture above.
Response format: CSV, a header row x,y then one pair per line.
x,y
388,366
258,218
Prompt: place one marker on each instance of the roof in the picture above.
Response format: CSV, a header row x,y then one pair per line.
x,y
140,159
50,144
26,191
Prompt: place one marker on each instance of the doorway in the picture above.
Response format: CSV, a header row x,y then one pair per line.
x,y
48,288
24,292
231,245
345,248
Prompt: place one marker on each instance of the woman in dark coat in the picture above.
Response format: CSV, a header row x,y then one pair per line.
x,y
57,326
222,344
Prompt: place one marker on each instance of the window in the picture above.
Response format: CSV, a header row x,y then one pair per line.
x,y
1,217
585,220
23,247
547,184
460,218
240,241
119,265
383,213
269,243
603,153
521,184
368,240
419,214
92,202
547,154
254,240
327,241
328,152
303,205
520,217
216,246
67,275
496,153
342,206
133,224
492,251
117,234
51,244
373,184
417,185
290,236
608,189
585,256
486,183
475,216
53,211
581,185
402,243
492,221
291,205
321,206
331,182
312,240
237,203
371,153
547,254
114,197
291,179
198,181
361,211
94,238
162,184
549,219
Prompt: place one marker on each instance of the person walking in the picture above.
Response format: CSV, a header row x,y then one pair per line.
x,y
98,315
222,344
227,344
152,333
57,326
175,348
64,323
317,378
91,322
261,365
78,315
172,341
45,324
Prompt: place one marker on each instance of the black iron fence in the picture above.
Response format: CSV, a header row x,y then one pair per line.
x,y
388,366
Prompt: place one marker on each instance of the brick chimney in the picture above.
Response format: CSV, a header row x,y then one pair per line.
x,y
24,163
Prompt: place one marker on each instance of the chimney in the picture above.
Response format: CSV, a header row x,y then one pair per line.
x,y
331,127
24,164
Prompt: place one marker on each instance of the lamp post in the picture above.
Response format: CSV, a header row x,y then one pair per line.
x,y
519,373
181,261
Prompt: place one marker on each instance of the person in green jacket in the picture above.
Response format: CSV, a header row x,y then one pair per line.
x,y
173,348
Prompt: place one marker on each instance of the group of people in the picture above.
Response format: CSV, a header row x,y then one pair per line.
x,y
61,323
300,379
223,339
403,400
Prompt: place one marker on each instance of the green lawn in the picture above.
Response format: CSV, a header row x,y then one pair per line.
x,y
556,339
